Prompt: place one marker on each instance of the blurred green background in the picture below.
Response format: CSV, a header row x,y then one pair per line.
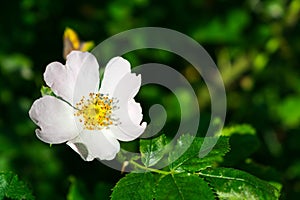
x,y
255,44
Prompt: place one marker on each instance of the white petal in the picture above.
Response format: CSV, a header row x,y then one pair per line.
x,y
128,131
127,87
55,119
135,111
77,78
119,134
130,118
129,112
115,70
95,144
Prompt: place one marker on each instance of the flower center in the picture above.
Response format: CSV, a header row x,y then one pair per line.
x,y
96,111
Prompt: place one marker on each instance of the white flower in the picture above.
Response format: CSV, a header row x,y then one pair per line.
x,y
89,119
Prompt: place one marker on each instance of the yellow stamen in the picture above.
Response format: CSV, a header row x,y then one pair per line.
x,y
96,111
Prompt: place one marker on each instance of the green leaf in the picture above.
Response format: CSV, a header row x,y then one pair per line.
x,y
241,129
183,186
235,185
266,173
243,142
152,150
135,186
12,187
190,160
46,91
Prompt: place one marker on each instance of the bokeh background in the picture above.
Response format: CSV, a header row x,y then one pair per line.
x,y
255,44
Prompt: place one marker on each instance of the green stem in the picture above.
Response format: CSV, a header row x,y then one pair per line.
x,y
149,169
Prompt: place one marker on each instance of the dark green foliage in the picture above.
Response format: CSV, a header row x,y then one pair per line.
x,y
254,43
136,186
194,177
183,186
78,190
235,184
243,142
11,187
152,150
190,160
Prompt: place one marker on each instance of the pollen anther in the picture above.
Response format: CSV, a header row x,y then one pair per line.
x,y
96,112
